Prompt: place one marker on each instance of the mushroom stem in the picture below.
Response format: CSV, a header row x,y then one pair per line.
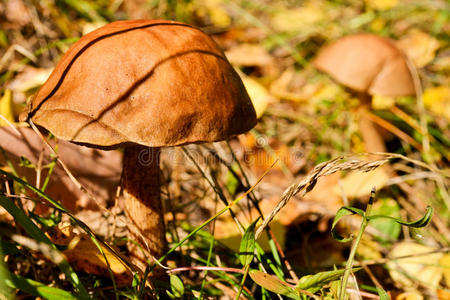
x,y
373,142
141,188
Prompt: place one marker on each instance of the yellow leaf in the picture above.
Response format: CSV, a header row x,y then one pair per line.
x,y
409,296
423,268
445,263
258,94
6,108
299,18
369,249
381,4
377,24
87,256
437,100
214,10
357,184
419,46
382,102
84,255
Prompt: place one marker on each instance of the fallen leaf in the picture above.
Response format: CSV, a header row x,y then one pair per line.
x,y
258,94
409,296
445,263
418,268
419,46
249,55
84,255
27,82
6,108
382,102
437,100
441,64
99,171
381,4
298,19
369,249
17,12
91,26
358,184
214,10
294,86
443,294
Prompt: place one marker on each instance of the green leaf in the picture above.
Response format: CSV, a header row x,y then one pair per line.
x,y
422,222
342,212
382,293
247,247
313,283
34,288
389,229
273,284
177,286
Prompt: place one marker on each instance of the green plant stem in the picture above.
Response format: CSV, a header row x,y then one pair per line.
x,y
247,268
350,260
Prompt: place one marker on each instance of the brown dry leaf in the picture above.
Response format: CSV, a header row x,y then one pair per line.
x,y
97,170
249,55
358,184
409,271
419,46
84,255
437,100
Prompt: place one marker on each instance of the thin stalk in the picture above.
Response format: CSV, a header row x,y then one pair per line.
x,y
349,265
247,268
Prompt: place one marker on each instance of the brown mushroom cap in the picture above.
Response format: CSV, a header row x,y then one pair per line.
x,y
367,63
154,83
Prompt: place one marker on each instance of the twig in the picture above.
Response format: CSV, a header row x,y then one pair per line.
x,y
204,268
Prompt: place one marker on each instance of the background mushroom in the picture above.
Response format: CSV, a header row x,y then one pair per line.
x,y
143,85
369,65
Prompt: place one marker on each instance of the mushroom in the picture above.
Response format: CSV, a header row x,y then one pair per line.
x,y
142,85
369,65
